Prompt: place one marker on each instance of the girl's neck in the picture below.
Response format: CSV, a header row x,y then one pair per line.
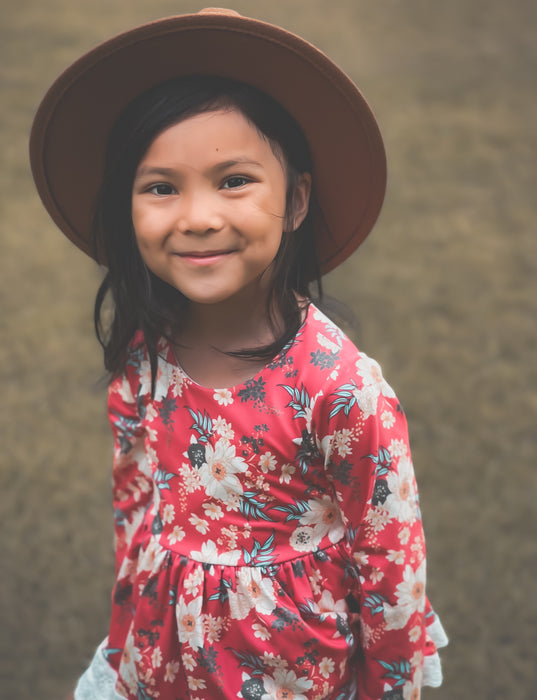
x,y
212,330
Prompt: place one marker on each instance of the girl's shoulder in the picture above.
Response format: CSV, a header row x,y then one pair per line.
x,y
328,347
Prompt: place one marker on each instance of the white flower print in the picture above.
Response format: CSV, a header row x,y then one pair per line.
x,y
223,396
376,575
302,539
404,535
253,591
218,473
209,554
223,428
261,632
267,462
367,399
285,684
401,502
168,513
396,555
328,344
342,442
172,669
414,634
195,683
371,374
378,517
388,419
190,478
193,582
190,622
325,517
410,595
411,591
361,558
176,534
398,448
200,524
326,667
189,662
156,657
213,511
329,607
287,472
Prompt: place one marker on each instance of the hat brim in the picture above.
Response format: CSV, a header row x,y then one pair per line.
x,y
71,127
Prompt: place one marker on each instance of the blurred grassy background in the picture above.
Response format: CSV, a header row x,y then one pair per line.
x,y
445,293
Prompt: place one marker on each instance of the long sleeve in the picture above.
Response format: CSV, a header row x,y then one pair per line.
x,y
367,456
132,480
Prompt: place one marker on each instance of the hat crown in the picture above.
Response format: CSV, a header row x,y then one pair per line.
x,y
219,11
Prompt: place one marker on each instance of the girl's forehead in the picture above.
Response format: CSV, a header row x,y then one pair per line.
x,y
217,133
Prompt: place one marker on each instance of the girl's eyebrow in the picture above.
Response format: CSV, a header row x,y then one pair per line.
x,y
150,170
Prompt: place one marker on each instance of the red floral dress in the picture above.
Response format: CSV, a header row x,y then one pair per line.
x,y
268,536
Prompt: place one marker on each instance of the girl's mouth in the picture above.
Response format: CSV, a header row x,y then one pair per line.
x,y
204,257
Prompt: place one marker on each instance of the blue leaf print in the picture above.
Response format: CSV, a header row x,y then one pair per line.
x,y
203,424
294,510
345,399
161,479
223,588
300,400
382,459
126,426
251,508
375,602
247,660
399,671
261,554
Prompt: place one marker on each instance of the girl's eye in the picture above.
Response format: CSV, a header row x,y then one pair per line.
x,y
161,189
236,181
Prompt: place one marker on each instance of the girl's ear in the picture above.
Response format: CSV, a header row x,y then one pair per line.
x,y
300,201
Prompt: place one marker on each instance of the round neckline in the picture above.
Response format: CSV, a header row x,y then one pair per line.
x,y
235,388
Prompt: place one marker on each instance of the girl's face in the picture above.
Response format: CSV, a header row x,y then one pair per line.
x,y
208,207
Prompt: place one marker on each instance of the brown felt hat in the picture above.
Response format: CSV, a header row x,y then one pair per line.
x,y
71,127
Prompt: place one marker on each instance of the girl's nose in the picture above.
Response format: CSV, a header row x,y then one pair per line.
x,y
199,214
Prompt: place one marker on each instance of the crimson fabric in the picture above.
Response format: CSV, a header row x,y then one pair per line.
x,y
268,536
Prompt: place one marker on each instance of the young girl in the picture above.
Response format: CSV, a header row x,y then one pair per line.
x,y
268,535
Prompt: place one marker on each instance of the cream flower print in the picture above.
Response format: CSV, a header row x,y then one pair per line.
x,y
286,473
218,473
325,518
410,594
326,667
342,440
302,539
224,397
285,684
190,622
267,462
213,510
388,419
254,591
223,428
168,513
172,669
261,632
209,554
176,535
200,524
156,657
401,501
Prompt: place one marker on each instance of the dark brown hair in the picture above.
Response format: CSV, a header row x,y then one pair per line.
x,y
140,299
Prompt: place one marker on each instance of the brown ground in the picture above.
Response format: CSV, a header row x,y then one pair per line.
x,y
445,292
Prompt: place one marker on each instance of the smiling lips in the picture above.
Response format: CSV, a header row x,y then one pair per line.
x,y
204,257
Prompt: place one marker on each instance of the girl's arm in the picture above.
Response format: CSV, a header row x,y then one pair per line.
x,y
132,478
368,457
